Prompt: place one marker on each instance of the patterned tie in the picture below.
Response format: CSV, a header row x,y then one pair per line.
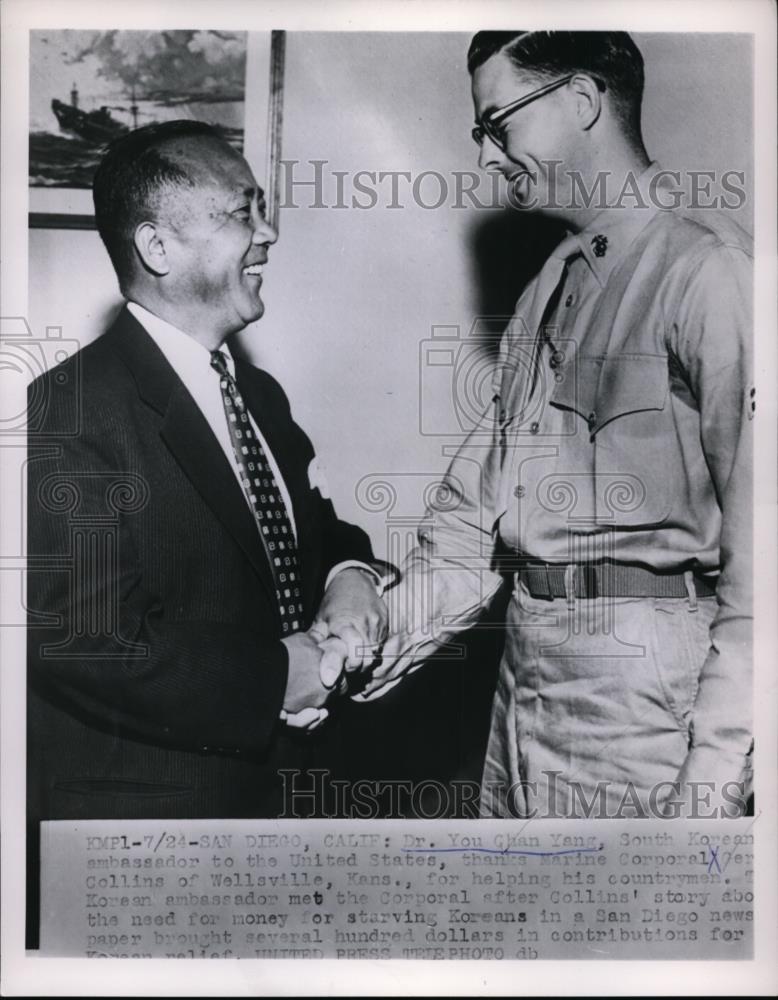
x,y
265,498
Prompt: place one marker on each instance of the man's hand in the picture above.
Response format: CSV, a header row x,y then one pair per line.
x,y
304,687
332,666
352,611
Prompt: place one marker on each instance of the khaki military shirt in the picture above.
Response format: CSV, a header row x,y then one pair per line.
x,y
620,428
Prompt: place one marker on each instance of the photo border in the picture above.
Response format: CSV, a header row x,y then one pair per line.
x,y
25,975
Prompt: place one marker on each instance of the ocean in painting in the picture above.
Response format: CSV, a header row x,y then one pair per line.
x,y
87,87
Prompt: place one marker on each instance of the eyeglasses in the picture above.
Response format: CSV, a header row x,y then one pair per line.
x,y
492,124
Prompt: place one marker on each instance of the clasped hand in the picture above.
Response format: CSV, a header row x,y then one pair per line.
x,y
345,638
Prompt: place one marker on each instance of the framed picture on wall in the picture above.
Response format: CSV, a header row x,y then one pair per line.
x,y
90,87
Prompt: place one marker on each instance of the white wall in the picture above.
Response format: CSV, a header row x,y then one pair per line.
x,y
351,294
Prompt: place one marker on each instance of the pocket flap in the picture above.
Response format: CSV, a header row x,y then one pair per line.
x,y
630,383
605,388
576,390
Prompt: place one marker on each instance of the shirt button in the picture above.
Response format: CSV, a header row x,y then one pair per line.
x,y
534,427
519,492
569,301
591,420
557,359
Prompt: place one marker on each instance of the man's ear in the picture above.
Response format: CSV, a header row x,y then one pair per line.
x,y
588,100
151,248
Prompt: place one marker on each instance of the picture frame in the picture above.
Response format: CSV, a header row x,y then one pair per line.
x,y
305,316
119,80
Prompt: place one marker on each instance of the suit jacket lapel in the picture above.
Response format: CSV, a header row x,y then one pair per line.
x,y
190,440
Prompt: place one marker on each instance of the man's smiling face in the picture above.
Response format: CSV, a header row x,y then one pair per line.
x,y
538,139
218,238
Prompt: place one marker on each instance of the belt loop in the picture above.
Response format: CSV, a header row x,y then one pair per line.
x,y
570,574
691,590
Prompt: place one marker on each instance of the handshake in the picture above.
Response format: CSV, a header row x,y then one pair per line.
x,y
344,640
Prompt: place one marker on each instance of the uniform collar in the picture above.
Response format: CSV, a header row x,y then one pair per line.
x,y
606,239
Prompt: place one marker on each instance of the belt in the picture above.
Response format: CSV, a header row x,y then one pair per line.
x,y
590,580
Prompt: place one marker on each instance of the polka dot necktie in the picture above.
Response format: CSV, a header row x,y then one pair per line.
x,y
264,496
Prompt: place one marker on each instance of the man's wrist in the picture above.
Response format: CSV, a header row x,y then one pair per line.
x,y
382,574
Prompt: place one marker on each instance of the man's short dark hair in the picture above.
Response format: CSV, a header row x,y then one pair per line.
x,y
132,176
610,57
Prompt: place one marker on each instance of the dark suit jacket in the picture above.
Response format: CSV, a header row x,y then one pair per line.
x,y
156,671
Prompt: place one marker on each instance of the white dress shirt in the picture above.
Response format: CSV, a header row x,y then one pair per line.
x,y
191,361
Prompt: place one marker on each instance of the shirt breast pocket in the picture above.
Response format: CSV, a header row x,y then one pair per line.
x,y
606,388
623,414
631,428
629,385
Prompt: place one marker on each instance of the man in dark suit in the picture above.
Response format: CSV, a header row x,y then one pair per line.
x,y
179,541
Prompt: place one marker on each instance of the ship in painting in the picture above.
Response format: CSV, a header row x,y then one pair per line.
x,y
93,126
66,155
